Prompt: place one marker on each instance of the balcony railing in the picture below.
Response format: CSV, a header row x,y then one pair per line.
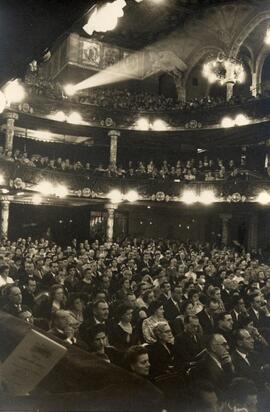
x,y
94,185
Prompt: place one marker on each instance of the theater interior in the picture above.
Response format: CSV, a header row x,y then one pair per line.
x,y
135,205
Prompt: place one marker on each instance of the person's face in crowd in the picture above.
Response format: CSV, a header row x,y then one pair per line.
x,y
54,267
142,365
78,305
241,307
159,313
101,312
193,326
166,288
177,294
72,272
220,347
100,342
5,273
59,295
165,335
213,308
15,296
88,274
195,298
217,294
62,321
247,342
127,316
226,323
190,311
47,261
32,285
150,298
131,300
257,302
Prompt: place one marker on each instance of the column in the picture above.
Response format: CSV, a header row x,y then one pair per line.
x,y
4,218
10,129
110,208
180,86
254,88
114,135
225,228
253,232
229,92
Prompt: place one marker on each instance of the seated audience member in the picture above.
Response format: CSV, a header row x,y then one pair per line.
x,y
224,326
29,293
13,296
62,326
256,312
207,316
187,309
172,306
156,312
165,292
76,306
246,361
5,279
123,335
242,395
55,301
137,361
238,309
99,314
162,352
216,365
189,344
98,344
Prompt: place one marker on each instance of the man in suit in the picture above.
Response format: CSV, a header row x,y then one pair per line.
x,y
216,366
255,311
226,293
224,326
165,292
190,343
14,301
172,306
98,315
246,361
206,316
50,278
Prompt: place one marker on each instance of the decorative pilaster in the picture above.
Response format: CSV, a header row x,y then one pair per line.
x,y
225,227
110,208
180,86
10,128
114,135
4,218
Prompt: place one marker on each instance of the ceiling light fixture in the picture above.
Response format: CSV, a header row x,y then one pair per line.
x,y
224,70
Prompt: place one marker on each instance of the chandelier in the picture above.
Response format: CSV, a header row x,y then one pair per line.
x,y
224,70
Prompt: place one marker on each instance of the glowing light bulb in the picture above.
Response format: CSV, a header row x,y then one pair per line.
x,y
132,196
14,92
189,197
115,196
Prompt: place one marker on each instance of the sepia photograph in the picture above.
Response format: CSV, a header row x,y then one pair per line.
x,y
135,206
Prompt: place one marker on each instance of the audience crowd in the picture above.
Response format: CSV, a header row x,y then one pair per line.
x,y
137,101
143,101
201,168
192,318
